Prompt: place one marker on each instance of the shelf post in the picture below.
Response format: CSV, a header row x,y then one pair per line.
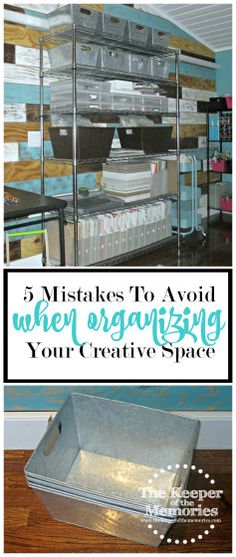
x,y
208,171
41,115
177,58
75,138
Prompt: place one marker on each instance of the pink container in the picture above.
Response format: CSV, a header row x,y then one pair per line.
x,y
226,204
221,166
229,102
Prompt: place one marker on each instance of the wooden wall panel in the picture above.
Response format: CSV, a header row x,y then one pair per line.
x,y
19,131
191,47
201,178
14,112
195,82
19,35
30,170
22,59
42,398
33,110
190,130
197,94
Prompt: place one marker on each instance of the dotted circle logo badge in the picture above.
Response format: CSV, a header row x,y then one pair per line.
x,y
201,535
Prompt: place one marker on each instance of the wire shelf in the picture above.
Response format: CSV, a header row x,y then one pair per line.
x,y
135,253
137,203
165,85
106,111
56,38
132,157
107,74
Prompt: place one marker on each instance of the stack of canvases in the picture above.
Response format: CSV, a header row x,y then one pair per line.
x,y
94,465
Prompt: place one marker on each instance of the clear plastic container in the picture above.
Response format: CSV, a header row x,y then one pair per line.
x,y
154,103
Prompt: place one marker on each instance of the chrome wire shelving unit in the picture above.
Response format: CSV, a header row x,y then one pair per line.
x,y
73,34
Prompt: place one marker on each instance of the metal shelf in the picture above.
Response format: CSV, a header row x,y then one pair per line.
x,y
209,141
121,158
56,38
112,112
136,203
73,34
135,253
107,75
220,140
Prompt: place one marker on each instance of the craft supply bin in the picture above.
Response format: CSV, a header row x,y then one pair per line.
x,y
92,142
114,27
218,190
226,204
114,59
139,64
96,455
85,19
139,34
160,38
159,68
87,55
152,140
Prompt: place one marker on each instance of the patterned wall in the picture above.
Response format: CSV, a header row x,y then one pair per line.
x,y
23,28
180,397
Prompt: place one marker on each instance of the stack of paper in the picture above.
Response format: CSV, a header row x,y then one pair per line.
x,y
129,182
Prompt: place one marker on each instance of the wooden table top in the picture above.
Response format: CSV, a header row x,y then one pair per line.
x,y
30,529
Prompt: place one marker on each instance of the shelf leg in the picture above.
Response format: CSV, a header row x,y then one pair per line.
x,y
61,219
177,55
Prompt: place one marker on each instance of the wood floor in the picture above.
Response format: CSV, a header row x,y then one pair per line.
x,y
30,529
214,251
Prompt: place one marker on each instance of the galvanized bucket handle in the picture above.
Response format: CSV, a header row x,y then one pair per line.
x,y
52,437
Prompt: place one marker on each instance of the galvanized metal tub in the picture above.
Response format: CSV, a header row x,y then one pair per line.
x,y
98,455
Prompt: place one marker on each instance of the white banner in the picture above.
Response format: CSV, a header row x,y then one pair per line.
x,y
117,325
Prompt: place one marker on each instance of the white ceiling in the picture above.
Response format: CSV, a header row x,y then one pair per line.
x,y
211,24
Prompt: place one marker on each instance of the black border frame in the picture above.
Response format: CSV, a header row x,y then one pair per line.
x,y
117,270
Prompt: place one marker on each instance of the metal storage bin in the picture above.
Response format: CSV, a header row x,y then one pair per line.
x,y
117,60
139,34
86,55
96,455
85,19
159,68
160,38
114,27
140,65
92,142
